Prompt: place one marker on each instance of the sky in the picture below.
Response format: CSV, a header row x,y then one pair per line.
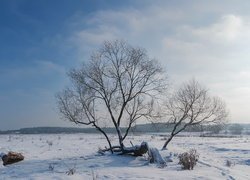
x,y
41,40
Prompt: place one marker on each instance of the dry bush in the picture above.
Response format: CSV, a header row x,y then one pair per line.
x,y
71,171
164,139
51,167
229,163
50,143
188,159
9,140
94,175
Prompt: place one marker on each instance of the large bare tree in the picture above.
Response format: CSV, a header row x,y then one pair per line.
x,y
118,86
192,105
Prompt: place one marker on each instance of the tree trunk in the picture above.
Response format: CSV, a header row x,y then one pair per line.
x,y
166,143
173,134
106,136
120,137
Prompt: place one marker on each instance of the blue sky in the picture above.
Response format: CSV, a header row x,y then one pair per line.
x,y
41,40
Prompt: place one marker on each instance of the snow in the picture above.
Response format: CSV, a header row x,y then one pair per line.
x,y
52,156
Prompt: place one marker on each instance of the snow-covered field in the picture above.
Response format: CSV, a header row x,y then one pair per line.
x,y
52,156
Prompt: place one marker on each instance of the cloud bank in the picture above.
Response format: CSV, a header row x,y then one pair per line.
x,y
213,50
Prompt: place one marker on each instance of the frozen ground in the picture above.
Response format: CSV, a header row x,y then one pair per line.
x,y
52,156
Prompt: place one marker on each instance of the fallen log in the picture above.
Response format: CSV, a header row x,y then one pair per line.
x,y
137,150
153,153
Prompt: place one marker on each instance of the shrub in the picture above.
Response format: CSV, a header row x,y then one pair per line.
x,y
50,143
51,167
188,159
164,138
94,175
229,163
9,140
71,171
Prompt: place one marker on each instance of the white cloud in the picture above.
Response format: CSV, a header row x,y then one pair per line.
x,y
229,28
214,51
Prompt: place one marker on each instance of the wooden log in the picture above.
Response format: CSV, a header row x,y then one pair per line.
x,y
139,150
136,150
12,157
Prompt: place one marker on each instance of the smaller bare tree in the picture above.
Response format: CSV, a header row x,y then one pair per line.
x,y
192,105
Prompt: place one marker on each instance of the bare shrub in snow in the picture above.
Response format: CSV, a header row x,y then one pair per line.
x,y
9,140
229,163
94,175
164,139
71,171
51,167
50,143
188,159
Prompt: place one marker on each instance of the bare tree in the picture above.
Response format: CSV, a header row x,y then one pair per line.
x,y
118,86
192,105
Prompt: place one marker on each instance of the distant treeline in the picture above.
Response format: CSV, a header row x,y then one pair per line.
x,y
153,127
139,128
